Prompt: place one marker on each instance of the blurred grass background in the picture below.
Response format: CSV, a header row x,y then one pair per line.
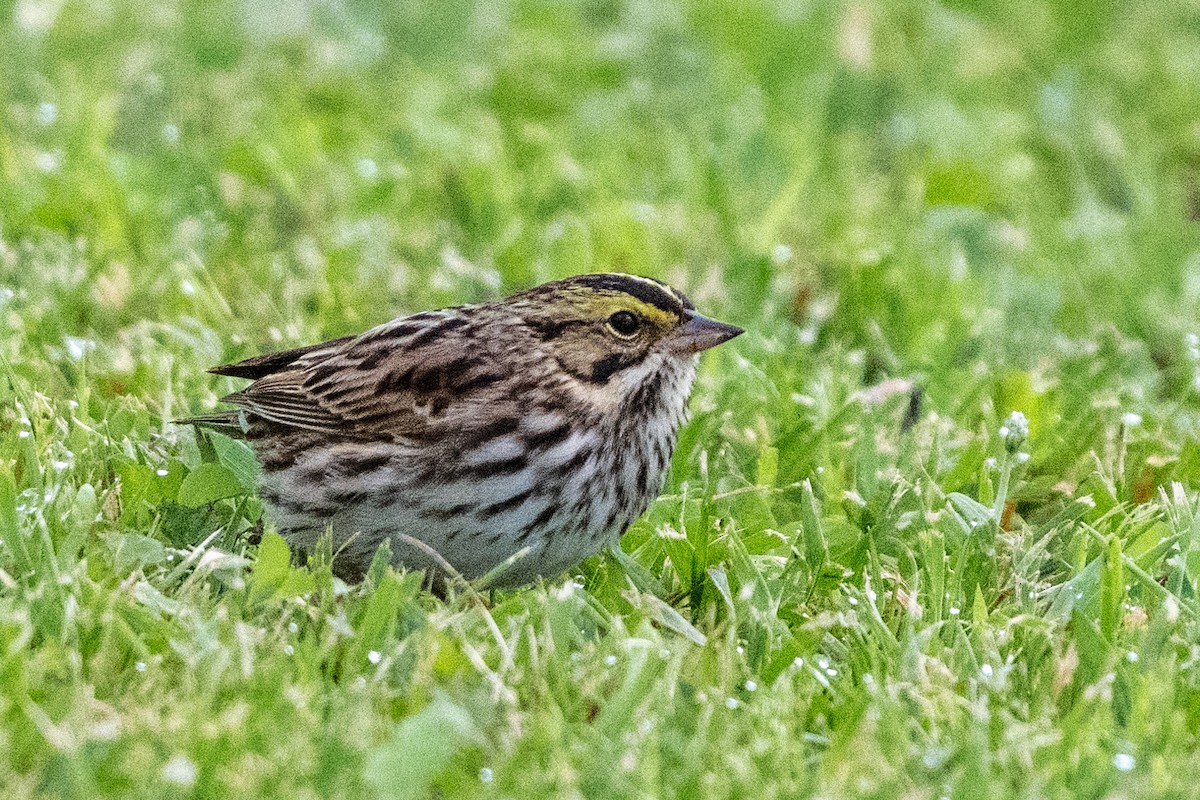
x,y
997,203
1032,171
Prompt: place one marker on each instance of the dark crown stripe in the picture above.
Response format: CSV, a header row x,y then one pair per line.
x,y
645,289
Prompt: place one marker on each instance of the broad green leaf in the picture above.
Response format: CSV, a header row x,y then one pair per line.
x,y
239,459
271,567
208,483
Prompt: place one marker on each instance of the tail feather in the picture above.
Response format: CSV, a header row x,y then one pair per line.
x,y
230,423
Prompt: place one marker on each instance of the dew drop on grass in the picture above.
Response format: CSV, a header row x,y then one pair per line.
x,y
367,168
486,775
798,663
610,661
47,113
47,162
293,627
77,348
954,611
1123,761
1132,657
751,686
289,650
22,434
140,666
180,770
162,473
986,670
374,656
731,703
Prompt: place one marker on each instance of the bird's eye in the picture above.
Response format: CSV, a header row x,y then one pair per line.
x,y
624,323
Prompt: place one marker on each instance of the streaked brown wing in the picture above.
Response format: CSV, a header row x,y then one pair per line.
x,y
414,378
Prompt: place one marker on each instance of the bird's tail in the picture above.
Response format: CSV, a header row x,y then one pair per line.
x,y
230,423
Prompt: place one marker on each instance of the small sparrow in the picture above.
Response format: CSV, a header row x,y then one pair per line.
x,y
524,434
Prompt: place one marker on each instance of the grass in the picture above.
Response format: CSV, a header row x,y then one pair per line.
x,y
849,595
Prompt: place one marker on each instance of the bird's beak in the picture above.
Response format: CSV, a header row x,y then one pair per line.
x,y
699,333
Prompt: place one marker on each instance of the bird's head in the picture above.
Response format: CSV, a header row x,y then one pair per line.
x,y
607,325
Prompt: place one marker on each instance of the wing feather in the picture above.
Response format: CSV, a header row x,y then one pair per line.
x,y
412,378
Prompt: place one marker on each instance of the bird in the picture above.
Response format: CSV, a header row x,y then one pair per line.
x,y
506,441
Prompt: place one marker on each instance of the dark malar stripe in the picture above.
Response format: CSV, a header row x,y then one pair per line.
x,y
645,399
603,369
